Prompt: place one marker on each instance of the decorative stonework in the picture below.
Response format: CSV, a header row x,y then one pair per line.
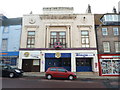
x,y
31,26
84,26
32,20
57,16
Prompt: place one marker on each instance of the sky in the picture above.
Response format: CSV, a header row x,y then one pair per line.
x,y
17,8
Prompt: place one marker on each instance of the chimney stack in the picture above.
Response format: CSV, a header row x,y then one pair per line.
x,y
88,9
114,10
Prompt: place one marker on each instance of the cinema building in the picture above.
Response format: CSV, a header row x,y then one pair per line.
x,y
59,38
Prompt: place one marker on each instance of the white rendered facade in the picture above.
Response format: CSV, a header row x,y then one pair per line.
x,y
60,20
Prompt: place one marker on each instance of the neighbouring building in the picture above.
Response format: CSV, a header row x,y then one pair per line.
x,y
10,32
108,43
60,38
119,7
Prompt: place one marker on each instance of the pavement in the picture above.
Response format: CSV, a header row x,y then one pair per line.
x,y
80,76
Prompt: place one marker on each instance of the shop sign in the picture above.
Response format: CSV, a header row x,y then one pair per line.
x,y
34,55
26,54
84,55
110,56
57,55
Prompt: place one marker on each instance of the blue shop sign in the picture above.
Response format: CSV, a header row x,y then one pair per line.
x,y
3,54
52,55
84,55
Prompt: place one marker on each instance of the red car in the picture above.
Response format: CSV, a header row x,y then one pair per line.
x,y
59,72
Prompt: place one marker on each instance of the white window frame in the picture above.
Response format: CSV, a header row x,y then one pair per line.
x,y
5,29
106,47
85,39
115,29
111,18
117,47
104,31
4,44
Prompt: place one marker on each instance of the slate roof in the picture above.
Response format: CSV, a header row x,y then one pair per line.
x,y
97,19
12,21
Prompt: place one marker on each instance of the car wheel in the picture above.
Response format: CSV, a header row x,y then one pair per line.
x,y
70,77
49,77
11,75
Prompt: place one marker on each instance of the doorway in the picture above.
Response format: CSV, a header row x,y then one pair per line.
x,y
83,65
30,65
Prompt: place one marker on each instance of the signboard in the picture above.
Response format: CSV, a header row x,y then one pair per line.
x,y
84,55
110,56
31,55
57,55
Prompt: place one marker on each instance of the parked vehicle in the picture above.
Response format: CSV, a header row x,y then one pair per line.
x,y
59,72
9,71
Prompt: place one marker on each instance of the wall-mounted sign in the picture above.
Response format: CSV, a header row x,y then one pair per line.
x,y
32,55
84,55
57,55
26,54
110,56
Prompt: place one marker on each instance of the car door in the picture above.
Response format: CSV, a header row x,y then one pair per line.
x,y
61,73
53,72
5,71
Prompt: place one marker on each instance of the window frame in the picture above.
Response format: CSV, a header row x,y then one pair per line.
x,y
30,40
118,46
108,46
85,40
5,45
104,33
5,29
115,31
57,38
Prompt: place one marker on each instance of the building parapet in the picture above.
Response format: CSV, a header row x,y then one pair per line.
x,y
58,10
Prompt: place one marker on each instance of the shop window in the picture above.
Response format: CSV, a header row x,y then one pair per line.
x,y
31,39
50,64
35,62
66,63
9,61
110,67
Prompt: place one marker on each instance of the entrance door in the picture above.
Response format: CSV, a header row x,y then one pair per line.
x,y
36,65
52,62
58,62
83,64
27,65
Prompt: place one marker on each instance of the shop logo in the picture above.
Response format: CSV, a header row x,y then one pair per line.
x,y
26,54
57,55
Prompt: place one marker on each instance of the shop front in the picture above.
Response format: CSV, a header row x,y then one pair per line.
x,y
58,60
109,64
30,61
9,58
86,62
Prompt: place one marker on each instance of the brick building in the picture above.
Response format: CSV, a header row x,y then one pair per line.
x,y
108,43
